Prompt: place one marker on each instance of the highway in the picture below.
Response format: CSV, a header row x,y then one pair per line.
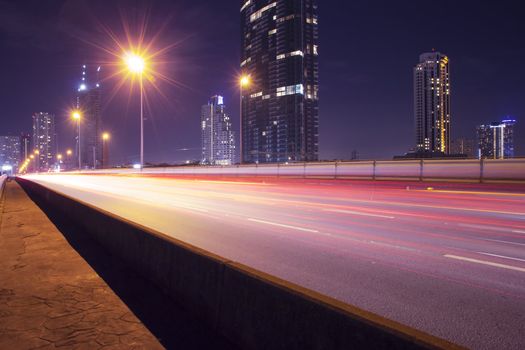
x,y
445,259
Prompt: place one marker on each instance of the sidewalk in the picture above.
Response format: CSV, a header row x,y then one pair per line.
x,y
49,296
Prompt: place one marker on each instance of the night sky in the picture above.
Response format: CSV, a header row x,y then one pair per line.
x,y
367,52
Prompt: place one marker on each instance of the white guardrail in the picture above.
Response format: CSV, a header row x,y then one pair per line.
x,y
419,170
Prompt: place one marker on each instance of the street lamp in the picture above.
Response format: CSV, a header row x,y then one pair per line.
x,y
36,152
77,116
136,65
105,153
244,81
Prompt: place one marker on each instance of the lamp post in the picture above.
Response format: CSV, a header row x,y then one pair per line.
x,y
136,65
244,81
76,116
59,161
105,150
68,164
37,160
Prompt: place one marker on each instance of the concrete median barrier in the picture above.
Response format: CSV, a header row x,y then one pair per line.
x,y
251,308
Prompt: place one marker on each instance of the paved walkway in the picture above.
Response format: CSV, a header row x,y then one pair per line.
x,y
49,296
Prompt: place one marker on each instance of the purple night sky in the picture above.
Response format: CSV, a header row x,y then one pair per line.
x,y
367,52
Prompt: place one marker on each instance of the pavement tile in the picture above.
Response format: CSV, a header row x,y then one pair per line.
x,y
49,296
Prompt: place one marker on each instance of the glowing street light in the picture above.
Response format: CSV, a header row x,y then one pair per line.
x,y
59,157
136,65
105,153
77,116
244,82
69,152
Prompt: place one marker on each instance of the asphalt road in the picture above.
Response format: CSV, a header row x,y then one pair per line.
x,y
449,260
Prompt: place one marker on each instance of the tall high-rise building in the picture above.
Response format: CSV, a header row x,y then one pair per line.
x,y
44,140
280,108
9,152
89,104
218,143
496,140
432,103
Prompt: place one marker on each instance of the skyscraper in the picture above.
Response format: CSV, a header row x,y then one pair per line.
x,y
89,104
218,143
10,151
496,140
432,103
279,51
44,140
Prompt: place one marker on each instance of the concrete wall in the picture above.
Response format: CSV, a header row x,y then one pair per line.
x,y
251,308
508,170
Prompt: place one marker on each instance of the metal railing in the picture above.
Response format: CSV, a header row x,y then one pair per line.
x,y
473,170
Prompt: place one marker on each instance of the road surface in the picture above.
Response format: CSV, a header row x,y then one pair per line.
x,y
448,260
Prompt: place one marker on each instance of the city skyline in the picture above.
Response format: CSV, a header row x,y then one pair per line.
x,y
262,174
345,124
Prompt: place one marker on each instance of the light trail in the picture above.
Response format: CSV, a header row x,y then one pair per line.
x,y
358,213
374,245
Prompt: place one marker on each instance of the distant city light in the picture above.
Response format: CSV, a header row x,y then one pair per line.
x,y
137,166
7,167
82,87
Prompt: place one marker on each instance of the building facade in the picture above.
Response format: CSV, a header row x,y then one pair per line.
x,y
10,153
44,140
218,141
463,146
279,108
496,140
89,104
432,103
